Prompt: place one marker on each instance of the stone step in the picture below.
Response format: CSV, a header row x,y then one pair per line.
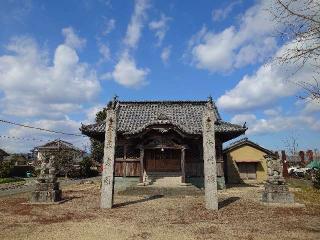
x,y
165,181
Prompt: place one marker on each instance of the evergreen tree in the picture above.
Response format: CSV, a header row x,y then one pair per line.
x,y
96,146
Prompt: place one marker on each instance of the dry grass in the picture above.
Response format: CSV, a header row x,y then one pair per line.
x,y
240,216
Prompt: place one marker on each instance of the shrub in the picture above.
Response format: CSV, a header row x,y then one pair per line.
x,y
316,182
86,168
6,169
21,171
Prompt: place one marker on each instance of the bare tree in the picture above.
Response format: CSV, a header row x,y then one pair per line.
x,y
299,27
291,145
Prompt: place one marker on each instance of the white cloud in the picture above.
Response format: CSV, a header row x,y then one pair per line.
x,y
273,111
160,27
249,43
72,39
136,23
222,13
104,50
31,85
109,26
127,74
126,71
269,83
91,113
309,105
165,54
276,123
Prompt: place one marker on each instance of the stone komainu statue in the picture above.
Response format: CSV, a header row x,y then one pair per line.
x,y
274,170
276,189
47,188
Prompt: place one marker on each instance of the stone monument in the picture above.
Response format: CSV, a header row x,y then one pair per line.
x,y
107,187
276,190
209,158
47,188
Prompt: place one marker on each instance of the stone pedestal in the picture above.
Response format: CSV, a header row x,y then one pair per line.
x,y
275,193
47,191
47,188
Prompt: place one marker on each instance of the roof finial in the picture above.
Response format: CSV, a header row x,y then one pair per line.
x,y
210,99
114,101
115,98
112,104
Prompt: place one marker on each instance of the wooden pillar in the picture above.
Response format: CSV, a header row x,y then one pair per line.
x,y
124,170
141,164
183,165
107,188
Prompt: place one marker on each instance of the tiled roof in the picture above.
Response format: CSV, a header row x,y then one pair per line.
x,y
56,144
246,141
3,153
134,117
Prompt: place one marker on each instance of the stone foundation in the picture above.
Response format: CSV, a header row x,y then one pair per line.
x,y
49,196
277,193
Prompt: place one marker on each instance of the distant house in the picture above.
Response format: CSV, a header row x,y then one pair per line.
x,y
245,161
3,154
49,148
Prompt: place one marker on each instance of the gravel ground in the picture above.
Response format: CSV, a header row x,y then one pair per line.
x,y
241,216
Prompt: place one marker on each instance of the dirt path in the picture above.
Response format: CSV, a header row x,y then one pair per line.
x,y
241,216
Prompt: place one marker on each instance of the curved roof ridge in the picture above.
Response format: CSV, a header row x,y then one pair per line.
x,y
164,101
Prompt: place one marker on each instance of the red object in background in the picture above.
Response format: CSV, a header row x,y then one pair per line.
x,y
301,155
309,154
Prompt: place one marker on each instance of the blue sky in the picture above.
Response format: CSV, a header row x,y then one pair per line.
x,y
61,61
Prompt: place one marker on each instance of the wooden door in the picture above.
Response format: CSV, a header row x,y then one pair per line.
x,y
247,170
168,160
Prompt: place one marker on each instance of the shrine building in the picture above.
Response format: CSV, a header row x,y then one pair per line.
x,y
164,138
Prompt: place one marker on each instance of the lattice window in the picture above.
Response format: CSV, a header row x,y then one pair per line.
x,y
119,152
133,152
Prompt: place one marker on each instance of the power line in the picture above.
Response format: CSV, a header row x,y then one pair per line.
x,y
24,139
41,129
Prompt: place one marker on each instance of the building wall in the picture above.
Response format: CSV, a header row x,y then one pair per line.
x,y
246,153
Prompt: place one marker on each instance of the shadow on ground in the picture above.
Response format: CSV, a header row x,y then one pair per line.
x,y
227,201
119,205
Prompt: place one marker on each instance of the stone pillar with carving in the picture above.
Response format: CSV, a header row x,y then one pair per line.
x,y
107,187
209,158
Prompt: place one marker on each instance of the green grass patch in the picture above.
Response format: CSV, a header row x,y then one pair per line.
x,y
10,180
307,193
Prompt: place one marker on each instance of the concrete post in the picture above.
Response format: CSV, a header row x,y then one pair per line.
x,y
107,188
209,158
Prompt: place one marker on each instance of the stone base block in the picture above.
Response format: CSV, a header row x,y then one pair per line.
x,y
46,196
50,179
47,186
277,194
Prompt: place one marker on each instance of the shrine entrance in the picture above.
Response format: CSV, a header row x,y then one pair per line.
x,y
163,160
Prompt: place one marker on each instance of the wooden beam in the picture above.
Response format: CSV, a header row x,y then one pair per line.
x,y
183,165
124,174
141,164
